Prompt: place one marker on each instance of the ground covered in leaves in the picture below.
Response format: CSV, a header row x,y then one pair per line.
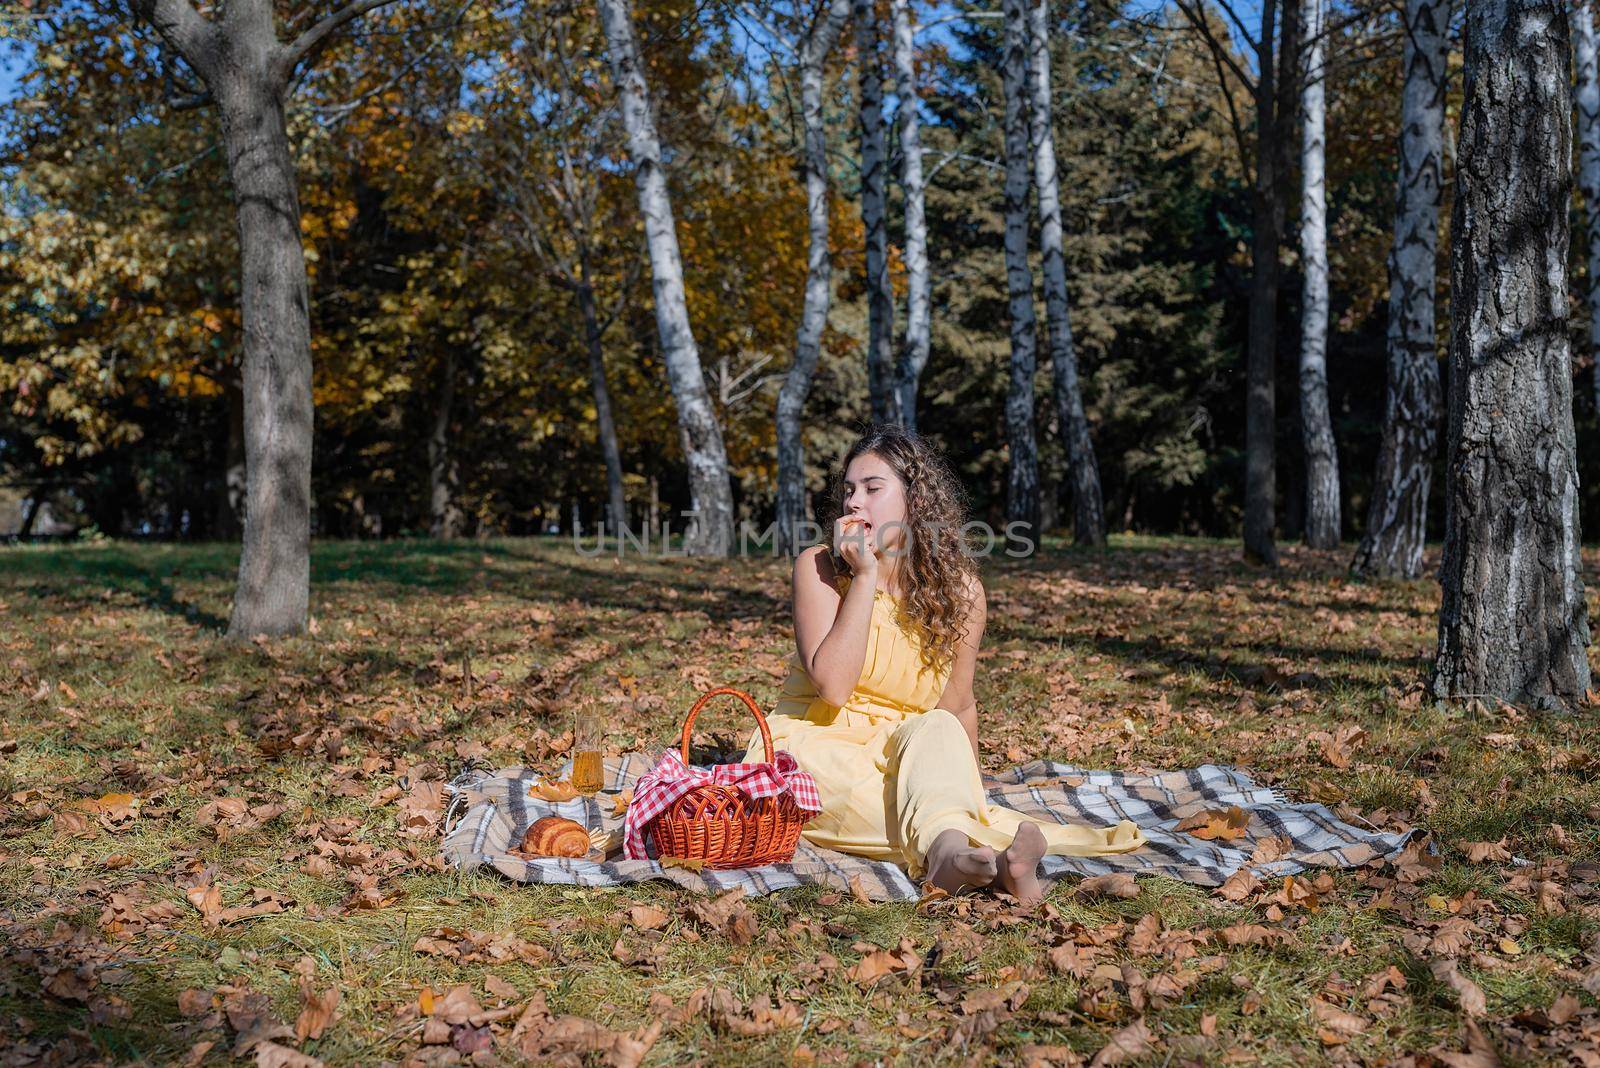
x,y
210,853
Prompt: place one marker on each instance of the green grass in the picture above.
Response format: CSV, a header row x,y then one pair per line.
x,y
1156,653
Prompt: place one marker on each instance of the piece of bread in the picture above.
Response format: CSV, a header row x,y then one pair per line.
x,y
556,836
554,790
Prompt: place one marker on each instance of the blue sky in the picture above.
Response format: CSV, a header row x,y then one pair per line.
x,y
10,68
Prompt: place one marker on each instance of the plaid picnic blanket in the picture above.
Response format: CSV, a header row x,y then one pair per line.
x,y
489,811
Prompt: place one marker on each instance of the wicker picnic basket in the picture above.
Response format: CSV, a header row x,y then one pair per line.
x,y
723,825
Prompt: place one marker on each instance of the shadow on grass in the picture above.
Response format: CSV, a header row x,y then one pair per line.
x,y
76,574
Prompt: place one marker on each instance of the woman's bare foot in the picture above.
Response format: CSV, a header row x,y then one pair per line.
x,y
1018,865
953,863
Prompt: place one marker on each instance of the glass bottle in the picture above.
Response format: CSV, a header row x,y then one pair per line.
x,y
588,767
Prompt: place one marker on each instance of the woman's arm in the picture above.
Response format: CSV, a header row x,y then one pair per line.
x,y
830,631
958,697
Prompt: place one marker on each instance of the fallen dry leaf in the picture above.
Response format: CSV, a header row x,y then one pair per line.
x,y
1134,1040
621,801
1239,886
647,917
1116,884
1487,852
274,1055
878,962
497,986
1336,1026
1220,825
1480,1052
729,914
1469,993
316,1010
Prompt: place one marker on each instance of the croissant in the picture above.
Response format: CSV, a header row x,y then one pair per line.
x,y
556,836
554,790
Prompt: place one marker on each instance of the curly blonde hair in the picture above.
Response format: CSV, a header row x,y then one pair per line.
x,y
937,574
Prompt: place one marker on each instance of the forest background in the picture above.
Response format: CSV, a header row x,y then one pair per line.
x,y
452,379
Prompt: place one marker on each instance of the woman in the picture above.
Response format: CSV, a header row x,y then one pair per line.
x,y
878,706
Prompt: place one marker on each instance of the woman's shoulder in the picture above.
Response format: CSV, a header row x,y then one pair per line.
x,y
816,561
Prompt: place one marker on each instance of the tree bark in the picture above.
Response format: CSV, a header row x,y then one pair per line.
x,y
1316,424
874,180
1397,518
30,512
605,422
275,565
1588,100
791,496
1022,483
1512,621
1088,506
711,533
914,352
1268,203
247,71
444,514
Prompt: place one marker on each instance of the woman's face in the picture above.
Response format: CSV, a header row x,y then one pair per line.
x,y
875,493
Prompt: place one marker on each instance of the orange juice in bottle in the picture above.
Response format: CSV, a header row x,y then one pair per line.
x,y
588,769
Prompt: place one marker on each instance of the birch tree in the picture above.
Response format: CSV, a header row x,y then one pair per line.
x,y
1512,620
1588,115
791,496
1022,482
246,71
1088,508
711,532
874,213
1397,517
1316,425
914,350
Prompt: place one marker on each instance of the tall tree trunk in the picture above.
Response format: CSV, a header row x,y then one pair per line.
x,y
1512,621
874,180
1316,424
247,71
1397,518
1022,483
1588,100
1267,210
444,514
704,452
30,511
914,352
1088,507
605,423
791,502
275,565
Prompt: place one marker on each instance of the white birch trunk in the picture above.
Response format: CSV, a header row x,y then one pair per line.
x,y
1022,483
710,489
1588,101
1316,424
874,178
791,503
914,352
1397,518
1088,508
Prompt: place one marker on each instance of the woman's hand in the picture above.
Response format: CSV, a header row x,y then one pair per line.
x,y
856,545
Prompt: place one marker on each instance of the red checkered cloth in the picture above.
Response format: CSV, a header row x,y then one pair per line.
x,y
670,779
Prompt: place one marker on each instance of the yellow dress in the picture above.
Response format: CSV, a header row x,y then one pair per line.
x,y
894,770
